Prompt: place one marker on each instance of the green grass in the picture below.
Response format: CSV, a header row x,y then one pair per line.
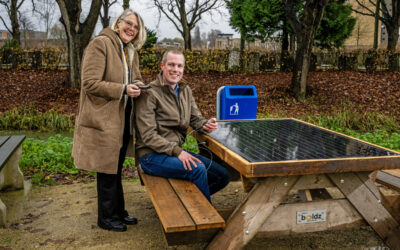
x,y
360,122
28,118
381,138
191,144
44,160
342,119
373,127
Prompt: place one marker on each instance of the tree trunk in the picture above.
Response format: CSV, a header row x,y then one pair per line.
x,y
241,59
284,47
305,33
376,27
185,27
78,34
75,54
187,38
300,69
393,35
14,21
105,19
292,42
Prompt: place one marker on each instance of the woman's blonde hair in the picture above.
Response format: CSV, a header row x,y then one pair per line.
x,y
141,36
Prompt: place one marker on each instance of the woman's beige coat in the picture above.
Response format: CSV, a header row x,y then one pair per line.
x,y
100,121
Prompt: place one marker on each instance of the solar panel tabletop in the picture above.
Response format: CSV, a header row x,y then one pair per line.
x,y
298,147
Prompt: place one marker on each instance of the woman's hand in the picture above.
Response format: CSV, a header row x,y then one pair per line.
x,y
139,83
133,90
211,125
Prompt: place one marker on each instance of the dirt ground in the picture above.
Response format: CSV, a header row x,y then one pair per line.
x,y
64,217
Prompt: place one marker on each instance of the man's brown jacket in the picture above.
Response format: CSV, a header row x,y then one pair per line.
x,y
162,118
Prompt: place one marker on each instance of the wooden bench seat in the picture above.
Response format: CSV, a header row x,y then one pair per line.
x,y
391,194
10,175
389,178
184,212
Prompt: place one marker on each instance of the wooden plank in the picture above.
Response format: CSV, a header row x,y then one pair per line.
x,y
335,193
340,165
394,172
170,210
203,214
8,148
365,178
313,182
249,216
340,214
3,139
190,237
359,193
308,194
391,201
387,179
302,195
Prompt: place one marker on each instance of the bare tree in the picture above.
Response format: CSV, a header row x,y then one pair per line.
x,y
204,38
46,11
212,35
360,32
389,15
78,33
196,38
185,14
26,25
105,18
58,32
12,7
304,29
25,22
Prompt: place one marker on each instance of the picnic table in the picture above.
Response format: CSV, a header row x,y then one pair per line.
x,y
278,156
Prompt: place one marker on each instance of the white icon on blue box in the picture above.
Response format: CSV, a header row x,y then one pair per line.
x,y
234,109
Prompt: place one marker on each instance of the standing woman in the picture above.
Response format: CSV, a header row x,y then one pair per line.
x,y
104,128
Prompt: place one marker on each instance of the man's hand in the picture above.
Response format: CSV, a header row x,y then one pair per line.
x,y
211,125
186,159
133,90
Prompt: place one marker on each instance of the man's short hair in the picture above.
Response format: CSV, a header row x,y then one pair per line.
x,y
173,51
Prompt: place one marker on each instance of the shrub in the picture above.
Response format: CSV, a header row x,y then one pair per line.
x,y
10,53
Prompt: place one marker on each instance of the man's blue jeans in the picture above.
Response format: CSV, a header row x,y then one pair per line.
x,y
209,176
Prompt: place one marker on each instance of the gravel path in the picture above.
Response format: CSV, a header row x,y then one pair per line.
x,y
64,217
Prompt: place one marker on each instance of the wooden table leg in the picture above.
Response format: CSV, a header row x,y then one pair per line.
x,y
247,183
251,214
365,197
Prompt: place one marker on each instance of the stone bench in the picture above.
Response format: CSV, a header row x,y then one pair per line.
x,y
11,177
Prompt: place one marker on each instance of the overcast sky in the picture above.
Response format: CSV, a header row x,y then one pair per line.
x,y
167,29
164,28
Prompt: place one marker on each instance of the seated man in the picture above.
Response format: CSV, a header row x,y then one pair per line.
x,y
163,115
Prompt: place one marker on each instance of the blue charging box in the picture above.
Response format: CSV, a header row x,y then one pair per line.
x,y
237,102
